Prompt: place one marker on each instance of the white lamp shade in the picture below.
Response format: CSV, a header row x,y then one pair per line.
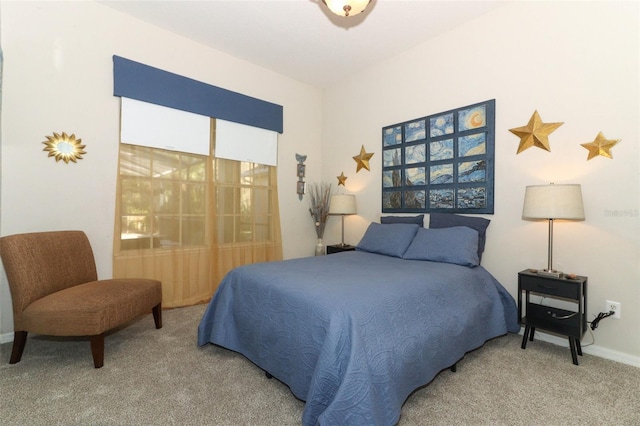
x,y
553,202
342,204
346,7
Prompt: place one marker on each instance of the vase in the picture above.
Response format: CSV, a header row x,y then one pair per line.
x,y
319,248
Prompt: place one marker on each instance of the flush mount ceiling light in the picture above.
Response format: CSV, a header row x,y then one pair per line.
x,y
346,7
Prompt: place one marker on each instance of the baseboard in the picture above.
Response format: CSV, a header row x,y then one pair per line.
x,y
6,338
612,355
590,349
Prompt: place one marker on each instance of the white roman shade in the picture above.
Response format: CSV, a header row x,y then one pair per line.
x,y
156,126
240,142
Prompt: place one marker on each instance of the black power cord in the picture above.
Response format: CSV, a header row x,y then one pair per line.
x,y
601,315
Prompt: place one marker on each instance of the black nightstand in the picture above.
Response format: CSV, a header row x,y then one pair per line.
x,y
570,323
339,248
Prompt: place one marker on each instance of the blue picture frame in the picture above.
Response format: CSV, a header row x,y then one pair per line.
x,y
442,163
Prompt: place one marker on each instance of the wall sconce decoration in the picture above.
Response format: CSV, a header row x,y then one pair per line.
x,y
535,133
363,159
341,179
600,146
300,172
64,147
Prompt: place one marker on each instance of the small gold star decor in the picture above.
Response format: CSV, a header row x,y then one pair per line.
x,y
341,179
64,147
363,159
600,146
535,133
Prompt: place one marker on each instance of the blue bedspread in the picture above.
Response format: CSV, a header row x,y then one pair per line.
x,y
354,333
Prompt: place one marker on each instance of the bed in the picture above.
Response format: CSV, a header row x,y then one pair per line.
x,y
354,333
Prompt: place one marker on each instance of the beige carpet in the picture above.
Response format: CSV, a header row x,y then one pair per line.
x,y
153,377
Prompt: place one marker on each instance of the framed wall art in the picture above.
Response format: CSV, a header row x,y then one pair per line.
x,y
440,163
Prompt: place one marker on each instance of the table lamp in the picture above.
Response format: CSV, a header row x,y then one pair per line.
x,y
342,204
552,202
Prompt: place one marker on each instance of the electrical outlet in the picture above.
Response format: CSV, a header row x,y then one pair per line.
x,y
616,307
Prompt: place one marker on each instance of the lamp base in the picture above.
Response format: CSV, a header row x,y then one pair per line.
x,y
549,273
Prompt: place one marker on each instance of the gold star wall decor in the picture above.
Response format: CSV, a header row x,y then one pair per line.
x,y
600,146
341,179
363,159
535,133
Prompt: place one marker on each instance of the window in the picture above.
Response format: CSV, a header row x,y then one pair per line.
x,y
165,201
163,198
187,219
243,202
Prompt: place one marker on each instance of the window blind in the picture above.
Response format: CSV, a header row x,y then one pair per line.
x,y
246,143
157,126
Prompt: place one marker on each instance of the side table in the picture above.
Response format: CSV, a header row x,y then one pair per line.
x,y
337,248
570,323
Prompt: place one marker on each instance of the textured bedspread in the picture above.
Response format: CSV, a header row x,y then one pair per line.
x,y
353,334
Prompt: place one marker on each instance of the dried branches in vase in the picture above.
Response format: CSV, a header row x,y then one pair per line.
x,y
319,197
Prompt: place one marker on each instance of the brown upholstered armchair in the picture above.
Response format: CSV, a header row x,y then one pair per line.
x,y
55,291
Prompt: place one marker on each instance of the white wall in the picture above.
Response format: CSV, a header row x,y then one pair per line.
x,y
58,76
574,62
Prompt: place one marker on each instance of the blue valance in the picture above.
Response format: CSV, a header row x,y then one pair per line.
x,y
145,83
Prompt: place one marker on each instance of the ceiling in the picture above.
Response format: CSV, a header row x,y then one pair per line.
x,y
301,38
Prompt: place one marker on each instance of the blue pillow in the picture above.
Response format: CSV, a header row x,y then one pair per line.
x,y
418,220
458,245
447,220
391,240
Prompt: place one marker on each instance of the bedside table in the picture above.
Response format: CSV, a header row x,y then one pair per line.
x,y
338,248
570,323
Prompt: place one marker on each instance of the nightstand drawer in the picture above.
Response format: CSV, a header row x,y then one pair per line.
x,y
560,288
557,320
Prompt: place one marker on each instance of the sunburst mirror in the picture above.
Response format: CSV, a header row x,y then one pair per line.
x,y
64,147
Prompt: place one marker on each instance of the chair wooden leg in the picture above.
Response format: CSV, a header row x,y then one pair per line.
x,y
97,350
157,315
19,341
